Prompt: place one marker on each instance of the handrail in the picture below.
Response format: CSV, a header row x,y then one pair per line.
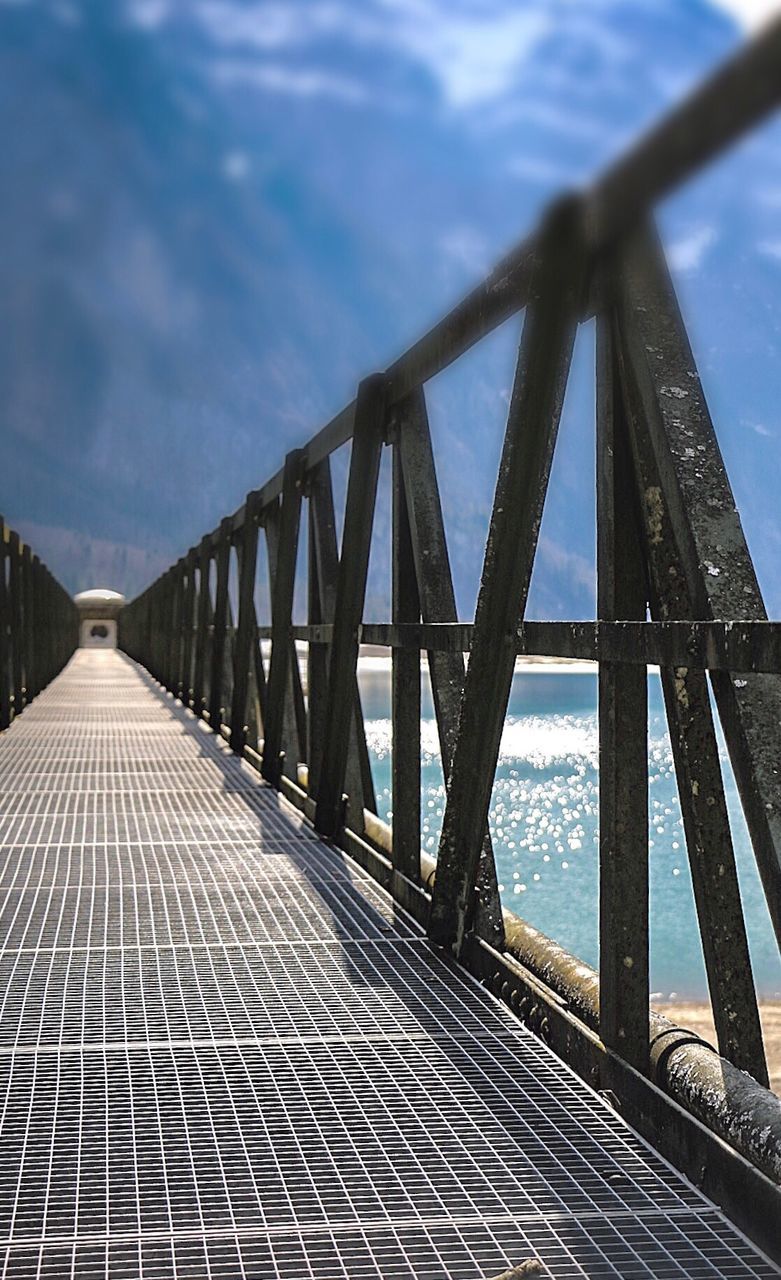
x,y
735,100
658,603
38,625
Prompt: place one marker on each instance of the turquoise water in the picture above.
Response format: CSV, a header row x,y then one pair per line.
x,y
544,822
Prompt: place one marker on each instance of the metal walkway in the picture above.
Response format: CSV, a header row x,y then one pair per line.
x,y
225,1053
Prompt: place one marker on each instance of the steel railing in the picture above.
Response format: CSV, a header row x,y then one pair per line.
x,y
38,625
666,520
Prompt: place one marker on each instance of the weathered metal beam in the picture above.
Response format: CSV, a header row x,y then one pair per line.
x,y
38,625
698,772
738,647
188,624
317,655
535,409
359,784
170,637
6,634
709,538
283,578
217,672
227,663
28,612
246,623
368,437
623,735
431,564
502,294
731,102
199,701
405,688
258,684
293,728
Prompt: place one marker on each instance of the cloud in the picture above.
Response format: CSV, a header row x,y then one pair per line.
x,y
770,249
236,166
294,82
577,569
471,50
266,25
143,277
536,169
466,247
148,14
473,53
552,119
687,254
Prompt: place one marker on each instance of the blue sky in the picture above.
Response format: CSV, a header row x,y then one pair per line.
x,y
222,214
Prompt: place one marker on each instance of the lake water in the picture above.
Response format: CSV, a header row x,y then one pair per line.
x,y
544,822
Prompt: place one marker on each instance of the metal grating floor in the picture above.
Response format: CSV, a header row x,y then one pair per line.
x,y
224,1052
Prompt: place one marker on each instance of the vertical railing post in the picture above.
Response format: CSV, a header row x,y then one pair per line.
x,y
246,626
283,587
170,635
202,636
368,439
17,621
317,653
177,638
178,627
438,604
695,749
533,420
324,572
185,675
623,735
154,607
161,624
29,624
405,689
38,628
46,612
5,632
150,625
220,625
43,626
712,554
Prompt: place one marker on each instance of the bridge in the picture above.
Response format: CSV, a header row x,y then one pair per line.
x,y
248,1028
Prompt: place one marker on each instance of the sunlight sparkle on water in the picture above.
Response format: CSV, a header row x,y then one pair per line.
x,y
544,822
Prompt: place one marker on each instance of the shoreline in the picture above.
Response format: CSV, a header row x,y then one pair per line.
x,y
374,658
378,657
696,1016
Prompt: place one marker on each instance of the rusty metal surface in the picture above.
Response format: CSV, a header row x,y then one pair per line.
x,y
623,738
